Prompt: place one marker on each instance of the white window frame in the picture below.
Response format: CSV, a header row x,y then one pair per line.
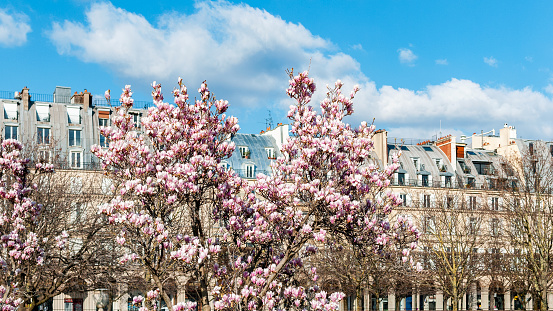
x,y
11,128
43,112
45,155
250,170
105,143
426,201
40,138
76,159
76,144
11,111
244,152
271,155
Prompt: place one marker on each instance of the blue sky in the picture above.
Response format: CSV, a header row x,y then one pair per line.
x,y
467,65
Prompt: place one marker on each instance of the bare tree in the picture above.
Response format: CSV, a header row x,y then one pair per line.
x,y
453,235
529,205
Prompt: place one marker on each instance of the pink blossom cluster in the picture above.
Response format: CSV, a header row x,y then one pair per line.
x,y
20,245
323,189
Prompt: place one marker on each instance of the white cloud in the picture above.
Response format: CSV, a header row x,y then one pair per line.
x,y
442,62
357,47
406,56
243,52
490,61
14,27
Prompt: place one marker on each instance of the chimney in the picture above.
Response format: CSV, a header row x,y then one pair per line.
x,y
380,140
87,100
25,98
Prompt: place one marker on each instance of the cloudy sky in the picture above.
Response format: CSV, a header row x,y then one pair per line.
x,y
424,67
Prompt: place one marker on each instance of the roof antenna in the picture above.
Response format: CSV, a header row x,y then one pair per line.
x,y
269,121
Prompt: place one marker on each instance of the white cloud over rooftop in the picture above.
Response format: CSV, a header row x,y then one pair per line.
x,y
14,27
245,51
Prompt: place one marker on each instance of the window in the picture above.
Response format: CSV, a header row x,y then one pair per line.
x,y
74,138
448,181
495,204
401,179
76,213
472,202
250,169
470,182
74,115
270,153
449,202
76,159
484,168
473,225
103,122
429,224
10,111
494,226
464,167
10,132
135,118
403,198
426,200
244,152
416,163
425,182
43,135
43,113
531,148
44,156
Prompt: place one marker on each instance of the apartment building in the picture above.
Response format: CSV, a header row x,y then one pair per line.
x,y
467,175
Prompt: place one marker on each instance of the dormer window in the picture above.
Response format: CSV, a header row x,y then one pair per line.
x,y
270,153
10,111
74,115
244,152
43,113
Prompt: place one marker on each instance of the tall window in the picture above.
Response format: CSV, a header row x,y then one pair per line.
x,y
426,200
76,159
472,202
270,153
74,138
43,135
403,198
473,225
494,226
250,169
401,179
495,204
429,224
449,202
10,132
103,139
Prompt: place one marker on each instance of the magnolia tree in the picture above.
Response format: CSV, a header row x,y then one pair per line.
x,y
180,213
22,249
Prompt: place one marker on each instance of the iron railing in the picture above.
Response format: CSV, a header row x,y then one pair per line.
x,y
137,104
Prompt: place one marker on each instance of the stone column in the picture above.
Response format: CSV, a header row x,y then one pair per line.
x,y
474,297
391,301
549,300
485,298
414,299
530,303
464,302
507,300
439,300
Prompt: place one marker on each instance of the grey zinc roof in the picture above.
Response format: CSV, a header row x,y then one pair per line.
x,y
258,155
